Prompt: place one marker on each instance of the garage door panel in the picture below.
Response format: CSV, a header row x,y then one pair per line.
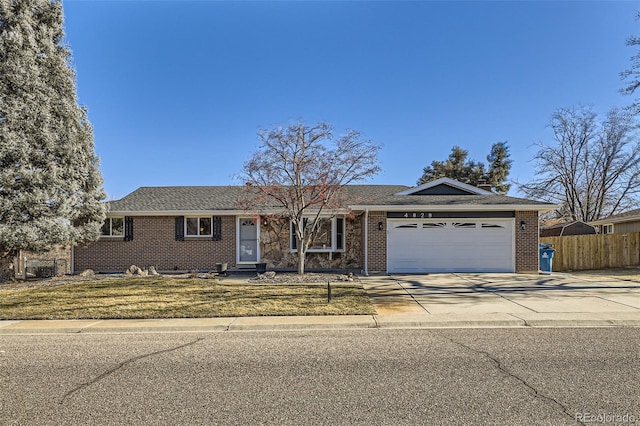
x,y
450,245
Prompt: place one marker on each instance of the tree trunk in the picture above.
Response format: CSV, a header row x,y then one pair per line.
x,y
301,256
6,269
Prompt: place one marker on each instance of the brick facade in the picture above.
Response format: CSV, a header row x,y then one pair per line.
x,y
154,244
377,241
527,256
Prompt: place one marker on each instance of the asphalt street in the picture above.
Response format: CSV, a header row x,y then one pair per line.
x,y
344,377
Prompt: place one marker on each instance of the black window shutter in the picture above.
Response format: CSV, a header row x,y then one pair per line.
x,y
339,233
217,228
128,228
294,242
180,228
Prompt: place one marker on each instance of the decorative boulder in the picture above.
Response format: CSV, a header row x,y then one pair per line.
x,y
87,273
348,277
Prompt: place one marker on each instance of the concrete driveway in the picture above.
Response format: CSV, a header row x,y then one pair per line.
x,y
526,298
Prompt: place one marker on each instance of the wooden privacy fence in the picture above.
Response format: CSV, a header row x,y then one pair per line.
x,y
599,251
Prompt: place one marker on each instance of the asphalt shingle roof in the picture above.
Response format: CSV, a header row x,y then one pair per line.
x,y
220,198
631,215
180,198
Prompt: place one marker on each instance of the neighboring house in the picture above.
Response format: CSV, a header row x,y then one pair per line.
x,y
620,223
440,226
564,229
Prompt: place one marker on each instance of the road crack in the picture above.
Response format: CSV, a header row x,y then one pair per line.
x,y
536,393
119,366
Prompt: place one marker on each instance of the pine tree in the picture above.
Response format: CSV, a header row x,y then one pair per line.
x,y
474,173
50,185
499,166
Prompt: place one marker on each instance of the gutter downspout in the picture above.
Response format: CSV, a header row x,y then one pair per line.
x,y
366,241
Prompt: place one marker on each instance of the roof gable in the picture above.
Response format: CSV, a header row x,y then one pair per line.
x,y
444,186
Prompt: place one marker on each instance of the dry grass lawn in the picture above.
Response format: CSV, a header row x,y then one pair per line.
x,y
166,297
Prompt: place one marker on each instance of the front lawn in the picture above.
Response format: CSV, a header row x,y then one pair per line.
x,y
167,297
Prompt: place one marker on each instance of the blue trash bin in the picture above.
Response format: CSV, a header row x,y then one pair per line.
x,y
546,260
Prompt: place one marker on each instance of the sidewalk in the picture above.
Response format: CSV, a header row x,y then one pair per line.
x,y
419,301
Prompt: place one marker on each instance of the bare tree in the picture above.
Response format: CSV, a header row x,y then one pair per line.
x,y
632,75
593,169
303,170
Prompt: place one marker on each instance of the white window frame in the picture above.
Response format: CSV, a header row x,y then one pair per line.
x,y
111,234
607,229
186,220
334,234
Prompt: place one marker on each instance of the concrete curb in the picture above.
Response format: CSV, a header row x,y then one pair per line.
x,y
581,319
443,320
400,321
303,323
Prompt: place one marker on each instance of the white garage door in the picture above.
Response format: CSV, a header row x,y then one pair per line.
x,y
450,245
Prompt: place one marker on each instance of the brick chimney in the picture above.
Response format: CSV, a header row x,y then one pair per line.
x,y
482,184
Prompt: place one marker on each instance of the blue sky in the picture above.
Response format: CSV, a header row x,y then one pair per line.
x,y
177,90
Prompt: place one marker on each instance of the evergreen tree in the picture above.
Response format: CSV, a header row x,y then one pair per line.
x,y
499,166
474,173
50,185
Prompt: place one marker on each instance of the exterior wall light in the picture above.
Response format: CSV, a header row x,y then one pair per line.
x,y
380,225
522,225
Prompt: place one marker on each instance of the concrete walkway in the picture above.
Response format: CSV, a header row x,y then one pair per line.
x,y
420,301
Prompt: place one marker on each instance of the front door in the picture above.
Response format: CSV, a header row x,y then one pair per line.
x,y
248,247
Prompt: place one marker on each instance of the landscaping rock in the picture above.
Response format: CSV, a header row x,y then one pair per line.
x,y
87,273
152,271
348,277
135,270
307,278
269,275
